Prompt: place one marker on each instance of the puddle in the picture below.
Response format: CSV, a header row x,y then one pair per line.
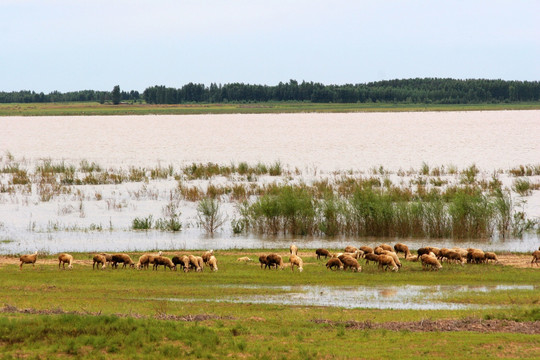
x,y
409,297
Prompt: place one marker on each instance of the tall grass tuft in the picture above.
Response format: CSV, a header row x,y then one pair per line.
x,y
522,187
210,215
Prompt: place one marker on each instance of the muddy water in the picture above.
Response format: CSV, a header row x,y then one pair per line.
x,y
410,297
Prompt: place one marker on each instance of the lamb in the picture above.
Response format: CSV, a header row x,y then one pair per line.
x,y
122,258
212,262
371,257
244,259
350,263
350,249
263,260
100,260
430,261
206,256
491,256
394,256
535,258
387,261
322,252
296,260
293,249
28,259
334,263
275,260
65,259
162,260
399,247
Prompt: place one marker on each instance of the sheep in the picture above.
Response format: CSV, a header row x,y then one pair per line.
x,y
100,260
162,260
65,259
275,260
443,254
322,252
144,261
122,258
293,249
212,262
399,247
366,250
194,263
108,258
28,259
350,263
350,249
430,261
296,260
394,256
460,251
491,256
477,256
386,247
177,260
371,257
200,261
206,256
386,261
535,258
427,250
184,261
334,263
413,258
455,256
244,259
263,260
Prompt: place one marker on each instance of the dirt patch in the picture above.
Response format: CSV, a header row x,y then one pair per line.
x,y
469,324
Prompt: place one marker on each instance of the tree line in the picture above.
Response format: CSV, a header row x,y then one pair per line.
x,y
426,90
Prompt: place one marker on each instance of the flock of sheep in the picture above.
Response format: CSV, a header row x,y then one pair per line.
x,y
384,255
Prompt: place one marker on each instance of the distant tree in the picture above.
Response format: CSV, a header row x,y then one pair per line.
x,y
116,95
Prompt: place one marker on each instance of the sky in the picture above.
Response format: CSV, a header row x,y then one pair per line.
x,y
70,45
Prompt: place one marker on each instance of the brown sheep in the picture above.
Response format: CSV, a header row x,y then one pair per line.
x,y
454,256
275,260
296,260
356,254
427,250
263,260
144,261
185,262
460,251
491,256
535,258
201,262
100,260
350,249
122,258
413,258
244,259
386,247
162,260
212,262
293,249
443,254
350,263
322,252
394,256
65,259
108,257
371,257
206,256
366,250
399,247
430,261
28,259
194,263
334,263
476,256
386,261
378,250
177,260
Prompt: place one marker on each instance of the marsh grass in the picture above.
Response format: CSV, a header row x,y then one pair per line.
x,y
522,187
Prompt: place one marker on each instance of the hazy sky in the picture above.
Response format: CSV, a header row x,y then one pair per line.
x,y
70,45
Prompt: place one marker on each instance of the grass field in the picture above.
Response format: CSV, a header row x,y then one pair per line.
x,y
125,313
94,108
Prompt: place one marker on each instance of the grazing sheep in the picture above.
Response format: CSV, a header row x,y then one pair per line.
x,y
206,256
460,251
122,258
296,260
442,254
366,250
454,256
186,263
212,262
350,249
194,263
387,261
491,256
371,257
162,260
201,262
378,251
275,260
244,259
430,261
263,259
293,249
65,259
386,247
144,261
394,256
334,263
177,260
476,256
108,257
100,260
322,252
427,250
350,263
399,247
356,254
535,258
28,259
413,258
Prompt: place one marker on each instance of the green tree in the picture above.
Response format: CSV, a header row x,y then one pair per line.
x,y
116,95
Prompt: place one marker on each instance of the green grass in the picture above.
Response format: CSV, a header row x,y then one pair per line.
x,y
94,108
122,313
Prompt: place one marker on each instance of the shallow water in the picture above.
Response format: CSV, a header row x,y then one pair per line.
x,y
409,297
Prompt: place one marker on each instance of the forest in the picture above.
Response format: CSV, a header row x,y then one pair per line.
x,y
413,91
